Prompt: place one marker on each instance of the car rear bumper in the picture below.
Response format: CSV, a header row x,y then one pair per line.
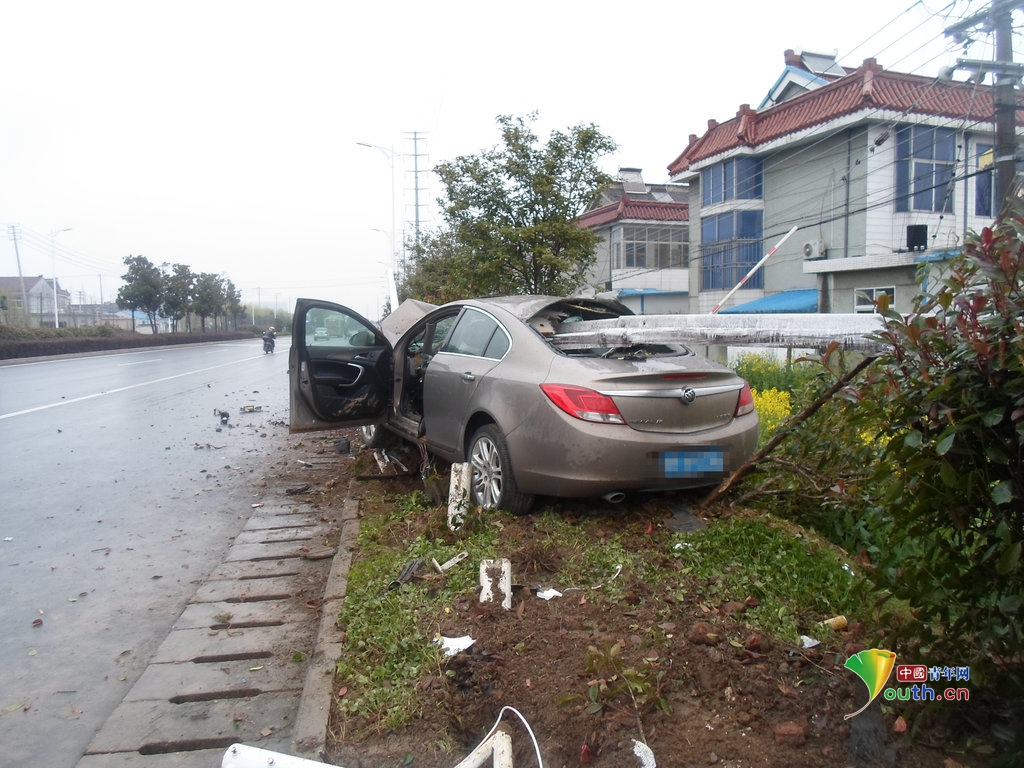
x,y
563,456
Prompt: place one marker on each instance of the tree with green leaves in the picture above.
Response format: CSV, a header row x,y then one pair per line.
x,y
233,306
510,216
178,288
208,300
142,289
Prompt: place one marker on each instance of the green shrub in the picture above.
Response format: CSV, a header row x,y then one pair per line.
x,y
766,372
952,477
918,465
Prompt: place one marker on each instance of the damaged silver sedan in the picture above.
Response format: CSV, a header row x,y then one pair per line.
x,y
522,389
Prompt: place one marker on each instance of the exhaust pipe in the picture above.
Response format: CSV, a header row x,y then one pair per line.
x,y
614,497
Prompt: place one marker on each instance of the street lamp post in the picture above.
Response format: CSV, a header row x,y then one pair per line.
x,y
53,264
391,155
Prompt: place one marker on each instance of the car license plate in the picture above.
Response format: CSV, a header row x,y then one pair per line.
x,y
695,462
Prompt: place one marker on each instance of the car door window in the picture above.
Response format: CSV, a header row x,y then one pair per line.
x,y
328,328
477,334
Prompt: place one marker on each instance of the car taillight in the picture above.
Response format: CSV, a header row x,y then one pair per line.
x,y
583,403
745,404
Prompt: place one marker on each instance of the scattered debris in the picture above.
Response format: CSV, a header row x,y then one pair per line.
x,y
452,645
808,642
458,493
321,553
496,581
450,563
250,408
297,490
407,572
222,415
385,459
837,623
683,520
645,754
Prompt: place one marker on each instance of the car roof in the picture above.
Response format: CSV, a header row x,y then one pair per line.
x,y
526,307
522,308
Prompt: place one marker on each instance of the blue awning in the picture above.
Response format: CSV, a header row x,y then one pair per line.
x,y
943,255
784,302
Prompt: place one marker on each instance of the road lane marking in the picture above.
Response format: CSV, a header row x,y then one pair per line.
x,y
140,362
125,389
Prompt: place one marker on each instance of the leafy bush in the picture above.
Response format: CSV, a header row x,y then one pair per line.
x,y
918,467
765,372
951,479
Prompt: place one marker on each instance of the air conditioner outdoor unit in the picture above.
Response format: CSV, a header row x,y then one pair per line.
x,y
815,249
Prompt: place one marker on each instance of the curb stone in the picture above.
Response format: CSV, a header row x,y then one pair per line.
x,y
209,686
310,733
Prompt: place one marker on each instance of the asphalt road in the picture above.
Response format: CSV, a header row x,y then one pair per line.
x,y
121,491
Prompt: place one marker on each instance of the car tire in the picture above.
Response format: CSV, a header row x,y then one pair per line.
x,y
492,484
375,436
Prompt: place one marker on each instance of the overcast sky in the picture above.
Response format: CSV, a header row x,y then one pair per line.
x,y
225,134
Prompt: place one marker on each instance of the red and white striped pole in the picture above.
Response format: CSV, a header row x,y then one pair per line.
x,y
753,270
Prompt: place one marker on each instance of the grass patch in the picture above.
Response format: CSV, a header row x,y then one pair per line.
x,y
794,579
616,562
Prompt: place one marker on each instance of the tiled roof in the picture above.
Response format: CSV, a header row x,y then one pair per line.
x,y
627,208
868,89
13,284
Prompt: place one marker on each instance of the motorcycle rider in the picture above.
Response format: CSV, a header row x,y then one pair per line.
x,y
268,339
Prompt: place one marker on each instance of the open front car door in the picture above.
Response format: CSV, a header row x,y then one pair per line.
x,y
339,368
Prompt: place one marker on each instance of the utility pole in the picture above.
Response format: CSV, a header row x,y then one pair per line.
x,y
998,18
21,277
416,184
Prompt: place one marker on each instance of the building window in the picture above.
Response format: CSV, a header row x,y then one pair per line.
x,y
925,158
650,248
864,298
983,180
738,179
731,244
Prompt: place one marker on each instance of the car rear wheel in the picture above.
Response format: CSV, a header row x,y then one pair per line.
x,y
492,485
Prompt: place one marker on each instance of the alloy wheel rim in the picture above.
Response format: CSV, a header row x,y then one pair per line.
x,y
486,465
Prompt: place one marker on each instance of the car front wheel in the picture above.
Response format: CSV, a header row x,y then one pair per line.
x,y
492,485
375,436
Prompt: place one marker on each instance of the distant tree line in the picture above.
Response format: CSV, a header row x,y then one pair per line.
x,y
177,293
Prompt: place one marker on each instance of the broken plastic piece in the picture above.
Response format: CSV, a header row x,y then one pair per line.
x,y
645,754
547,594
453,645
450,563
808,642
407,572
250,408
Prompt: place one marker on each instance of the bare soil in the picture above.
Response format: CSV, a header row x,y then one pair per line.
x,y
711,691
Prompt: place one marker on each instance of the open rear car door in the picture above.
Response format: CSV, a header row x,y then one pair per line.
x,y
339,368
